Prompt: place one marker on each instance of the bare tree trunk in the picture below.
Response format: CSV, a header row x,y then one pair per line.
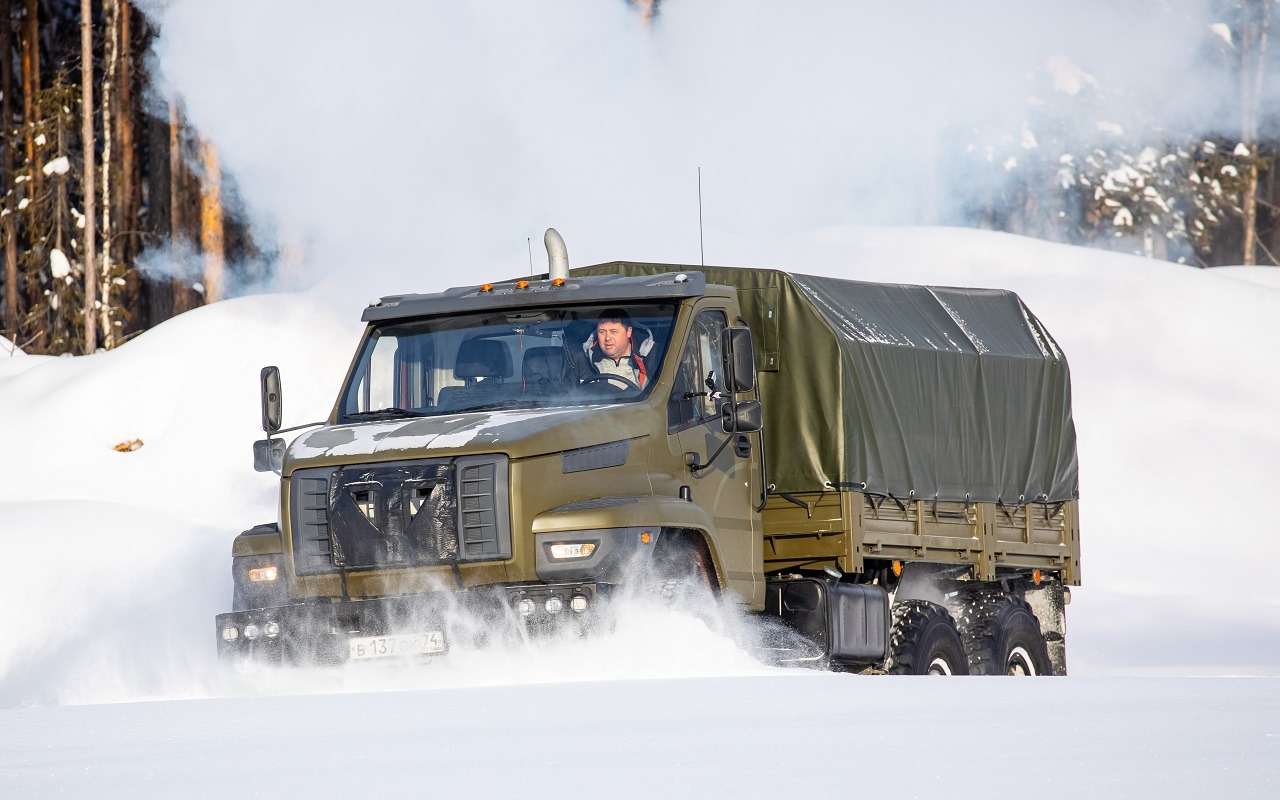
x,y
90,176
1253,54
212,238
107,318
181,297
128,205
10,230
31,88
60,194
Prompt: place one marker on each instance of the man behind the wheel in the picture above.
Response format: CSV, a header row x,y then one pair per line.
x,y
612,349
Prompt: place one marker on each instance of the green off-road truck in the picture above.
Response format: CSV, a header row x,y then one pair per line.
x,y
885,472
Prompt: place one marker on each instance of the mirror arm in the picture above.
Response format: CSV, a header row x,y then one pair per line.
x,y
300,427
696,468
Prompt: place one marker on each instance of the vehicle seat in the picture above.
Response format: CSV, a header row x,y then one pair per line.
x,y
544,370
482,365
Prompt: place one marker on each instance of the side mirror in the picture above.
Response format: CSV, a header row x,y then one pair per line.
x,y
740,354
272,403
743,417
268,455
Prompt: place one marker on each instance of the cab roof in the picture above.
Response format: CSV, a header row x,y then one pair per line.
x,y
539,291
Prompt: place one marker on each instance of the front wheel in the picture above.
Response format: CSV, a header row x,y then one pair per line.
x,y
682,572
924,641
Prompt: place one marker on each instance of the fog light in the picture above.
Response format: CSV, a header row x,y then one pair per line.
x,y
251,631
230,634
264,574
525,607
271,629
578,603
554,605
565,550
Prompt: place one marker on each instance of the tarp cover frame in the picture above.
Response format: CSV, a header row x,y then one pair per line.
x,y
907,391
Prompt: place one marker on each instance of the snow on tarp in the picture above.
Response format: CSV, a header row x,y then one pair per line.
x,y
924,391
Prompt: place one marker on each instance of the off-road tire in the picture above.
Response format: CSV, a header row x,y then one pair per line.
x,y
682,568
1002,636
924,641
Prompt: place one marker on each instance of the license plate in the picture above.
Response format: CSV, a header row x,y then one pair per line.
x,y
399,645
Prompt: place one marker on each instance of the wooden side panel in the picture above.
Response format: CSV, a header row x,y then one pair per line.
x,y
818,529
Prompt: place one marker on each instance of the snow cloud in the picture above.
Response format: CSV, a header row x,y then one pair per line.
x,y
399,146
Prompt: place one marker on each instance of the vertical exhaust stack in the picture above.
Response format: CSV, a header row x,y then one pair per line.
x,y
557,255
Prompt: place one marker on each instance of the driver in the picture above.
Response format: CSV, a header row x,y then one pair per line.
x,y
612,349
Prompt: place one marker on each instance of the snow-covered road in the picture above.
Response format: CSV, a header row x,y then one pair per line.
x,y
790,735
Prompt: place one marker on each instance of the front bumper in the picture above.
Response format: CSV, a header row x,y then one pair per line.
x,y
319,631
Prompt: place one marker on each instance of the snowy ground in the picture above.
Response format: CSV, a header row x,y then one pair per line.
x,y
779,736
124,560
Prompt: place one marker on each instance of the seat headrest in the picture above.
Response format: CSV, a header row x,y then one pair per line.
x,y
544,365
483,358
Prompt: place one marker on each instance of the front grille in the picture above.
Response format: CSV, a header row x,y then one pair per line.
x,y
403,513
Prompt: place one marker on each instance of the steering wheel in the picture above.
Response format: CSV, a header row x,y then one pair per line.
x,y
626,383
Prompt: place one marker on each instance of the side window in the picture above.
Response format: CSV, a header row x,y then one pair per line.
x,y
699,388
377,390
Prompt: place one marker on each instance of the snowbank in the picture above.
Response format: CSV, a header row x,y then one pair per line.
x,y
125,555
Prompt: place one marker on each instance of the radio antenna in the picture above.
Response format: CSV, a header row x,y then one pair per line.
x,y
702,253
528,246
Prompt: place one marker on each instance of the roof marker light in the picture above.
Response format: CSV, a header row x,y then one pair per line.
x,y
522,284
486,287
557,281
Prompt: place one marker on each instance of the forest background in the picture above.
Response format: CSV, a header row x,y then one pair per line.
x,y
118,214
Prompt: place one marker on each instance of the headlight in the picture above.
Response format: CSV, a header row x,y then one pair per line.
x,y
264,574
565,550
230,634
251,631
525,607
578,603
271,629
554,605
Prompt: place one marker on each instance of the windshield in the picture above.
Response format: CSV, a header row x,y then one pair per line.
x,y
525,358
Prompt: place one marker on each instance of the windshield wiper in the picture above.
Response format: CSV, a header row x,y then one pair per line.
x,y
500,406
391,412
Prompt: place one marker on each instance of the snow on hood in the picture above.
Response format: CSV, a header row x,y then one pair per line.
x,y
487,429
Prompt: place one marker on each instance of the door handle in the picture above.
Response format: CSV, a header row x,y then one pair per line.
x,y
742,446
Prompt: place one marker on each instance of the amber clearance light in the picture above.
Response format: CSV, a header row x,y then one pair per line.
x,y
486,287
522,284
264,574
557,281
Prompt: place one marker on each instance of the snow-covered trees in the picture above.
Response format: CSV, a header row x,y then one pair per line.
x,y
1144,185
81,194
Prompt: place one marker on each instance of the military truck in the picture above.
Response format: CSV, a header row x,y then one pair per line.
x,y
887,471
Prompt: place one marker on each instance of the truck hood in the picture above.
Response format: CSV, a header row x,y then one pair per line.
x,y
519,433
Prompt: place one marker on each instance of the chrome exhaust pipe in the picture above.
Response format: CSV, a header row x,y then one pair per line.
x,y
557,255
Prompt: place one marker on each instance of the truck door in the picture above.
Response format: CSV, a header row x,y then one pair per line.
x,y
723,489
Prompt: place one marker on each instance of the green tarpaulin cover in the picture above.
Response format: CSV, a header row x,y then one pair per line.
x,y
901,390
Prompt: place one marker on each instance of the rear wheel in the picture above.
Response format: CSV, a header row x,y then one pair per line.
x,y
924,641
1002,637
